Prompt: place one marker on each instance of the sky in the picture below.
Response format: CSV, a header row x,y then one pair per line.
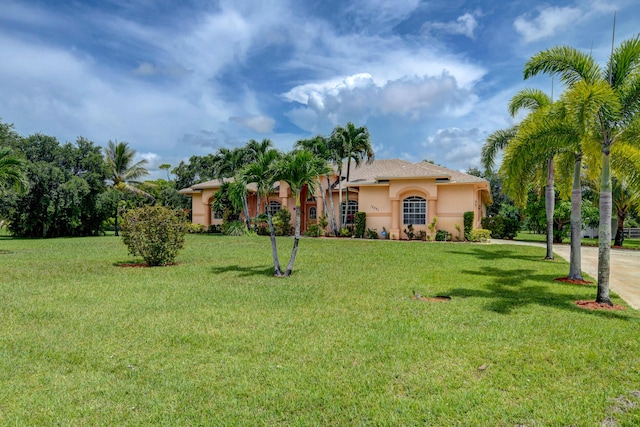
x,y
430,79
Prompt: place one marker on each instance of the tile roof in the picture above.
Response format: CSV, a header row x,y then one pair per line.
x,y
396,168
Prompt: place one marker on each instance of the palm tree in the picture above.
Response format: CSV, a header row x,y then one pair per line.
x,y
351,143
611,99
263,173
226,164
321,148
123,173
299,169
12,173
533,100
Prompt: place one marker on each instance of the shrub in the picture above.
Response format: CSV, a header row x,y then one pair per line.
x,y
432,226
411,234
360,221
345,232
501,227
323,222
195,228
479,235
371,234
215,228
282,222
443,236
468,223
155,233
234,228
313,230
422,235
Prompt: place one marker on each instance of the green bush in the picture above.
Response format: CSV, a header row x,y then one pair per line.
x,y
443,236
282,222
346,232
214,229
360,222
479,235
371,234
313,230
410,232
501,227
195,228
234,228
468,223
155,233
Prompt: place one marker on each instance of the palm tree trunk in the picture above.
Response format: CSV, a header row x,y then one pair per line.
x,y
341,223
277,272
346,203
324,202
245,208
116,226
575,256
334,227
296,238
604,229
550,207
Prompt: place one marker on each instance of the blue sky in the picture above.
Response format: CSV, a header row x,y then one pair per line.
x,y
430,79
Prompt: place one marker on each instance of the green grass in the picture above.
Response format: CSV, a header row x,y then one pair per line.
x,y
532,237
215,340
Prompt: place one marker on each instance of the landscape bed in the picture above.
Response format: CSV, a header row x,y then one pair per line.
x,y
216,340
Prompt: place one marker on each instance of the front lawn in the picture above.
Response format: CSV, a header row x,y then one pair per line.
x,y
215,340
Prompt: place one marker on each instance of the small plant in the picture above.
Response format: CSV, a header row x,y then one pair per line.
x,y
360,221
371,234
432,226
459,230
345,232
443,236
215,229
155,233
479,235
282,222
196,228
422,235
234,228
323,222
410,233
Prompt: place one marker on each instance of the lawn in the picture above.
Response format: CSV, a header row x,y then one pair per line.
x,y
528,236
215,340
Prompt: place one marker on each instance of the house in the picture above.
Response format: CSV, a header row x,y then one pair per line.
x,y
393,194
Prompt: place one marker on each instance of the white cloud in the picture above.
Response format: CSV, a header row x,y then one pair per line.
x,y
455,148
546,23
260,124
465,25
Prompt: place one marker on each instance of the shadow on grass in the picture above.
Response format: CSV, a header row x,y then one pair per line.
x,y
507,292
493,254
244,271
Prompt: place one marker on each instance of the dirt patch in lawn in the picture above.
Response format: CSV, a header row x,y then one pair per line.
x,y
573,281
592,305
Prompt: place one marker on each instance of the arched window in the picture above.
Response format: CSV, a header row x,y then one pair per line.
x,y
312,213
414,211
352,208
273,207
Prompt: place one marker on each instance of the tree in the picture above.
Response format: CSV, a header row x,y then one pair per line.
x,y
321,147
535,101
123,173
263,173
625,202
610,101
198,169
350,143
12,174
299,169
226,164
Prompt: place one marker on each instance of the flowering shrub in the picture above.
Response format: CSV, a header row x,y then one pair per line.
x,y
155,233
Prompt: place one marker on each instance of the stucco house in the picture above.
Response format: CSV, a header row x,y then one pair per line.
x,y
393,194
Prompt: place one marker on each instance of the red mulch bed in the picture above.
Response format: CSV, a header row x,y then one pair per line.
x,y
573,281
592,305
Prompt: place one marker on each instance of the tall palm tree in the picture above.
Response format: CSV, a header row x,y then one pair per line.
x,y
123,173
611,96
625,201
263,173
533,100
321,148
227,163
299,169
351,143
12,173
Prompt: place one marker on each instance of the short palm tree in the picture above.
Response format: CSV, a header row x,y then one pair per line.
x,y
350,142
12,174
123,172
299,169
611,101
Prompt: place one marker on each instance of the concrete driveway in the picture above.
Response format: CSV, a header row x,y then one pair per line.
x,y
624,278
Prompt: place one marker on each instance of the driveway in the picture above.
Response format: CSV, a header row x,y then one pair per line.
x,y
624,278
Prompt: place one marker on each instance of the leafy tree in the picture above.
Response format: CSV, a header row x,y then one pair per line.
x,y
610,100
123,172
198,169
299,169
351,143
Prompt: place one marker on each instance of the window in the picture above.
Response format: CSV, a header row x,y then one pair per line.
x,y
352,208
273,208
414,210
312,213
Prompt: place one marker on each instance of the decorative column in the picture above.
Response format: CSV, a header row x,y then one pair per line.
x,y
394,231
